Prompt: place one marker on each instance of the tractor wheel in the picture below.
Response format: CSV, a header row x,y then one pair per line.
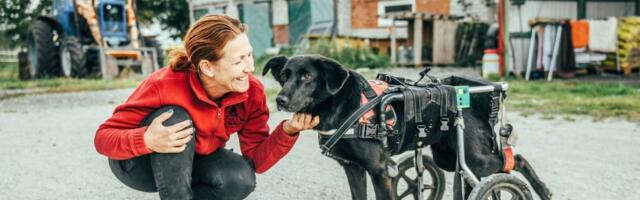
x,y
42,50
72,59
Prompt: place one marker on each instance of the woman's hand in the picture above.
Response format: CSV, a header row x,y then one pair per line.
x,y
171,139
300,122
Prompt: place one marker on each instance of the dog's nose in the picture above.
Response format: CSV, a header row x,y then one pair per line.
x,y
282,100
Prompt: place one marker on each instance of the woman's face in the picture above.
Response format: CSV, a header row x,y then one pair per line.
x,y
233,69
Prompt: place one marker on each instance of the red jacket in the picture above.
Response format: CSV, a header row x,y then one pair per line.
x,y
120,136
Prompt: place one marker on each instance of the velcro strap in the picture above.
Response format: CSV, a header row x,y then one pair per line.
x,y
509,159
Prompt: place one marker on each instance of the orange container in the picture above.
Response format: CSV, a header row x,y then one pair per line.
x,y
579,33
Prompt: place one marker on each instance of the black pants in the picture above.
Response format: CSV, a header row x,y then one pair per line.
x,y
221,175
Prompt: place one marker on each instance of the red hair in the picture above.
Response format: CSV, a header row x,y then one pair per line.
x,y
205,40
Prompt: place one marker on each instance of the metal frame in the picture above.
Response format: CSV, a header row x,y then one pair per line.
x,y
467,175
145,52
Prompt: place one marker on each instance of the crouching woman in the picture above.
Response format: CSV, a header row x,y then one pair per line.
x,y
169,134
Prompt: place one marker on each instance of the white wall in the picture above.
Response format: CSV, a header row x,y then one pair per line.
x,y
477,10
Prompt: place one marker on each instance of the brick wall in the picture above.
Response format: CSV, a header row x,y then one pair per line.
x,y
280,34
364,14
433,6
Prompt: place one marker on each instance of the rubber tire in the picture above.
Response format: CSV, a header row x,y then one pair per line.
x,y
489,183
154,43
77,60
430,168
40,36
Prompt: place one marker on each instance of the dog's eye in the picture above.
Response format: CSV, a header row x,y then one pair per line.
x,y
306,77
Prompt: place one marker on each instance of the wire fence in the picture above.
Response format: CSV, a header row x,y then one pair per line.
x,y
8,56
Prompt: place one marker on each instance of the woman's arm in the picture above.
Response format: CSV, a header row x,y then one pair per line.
x,y
256,143
121,137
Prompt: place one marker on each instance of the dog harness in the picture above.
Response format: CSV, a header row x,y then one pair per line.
x,y
367,126
368,118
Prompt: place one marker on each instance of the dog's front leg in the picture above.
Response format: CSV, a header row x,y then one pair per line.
x,y
357,180
382,183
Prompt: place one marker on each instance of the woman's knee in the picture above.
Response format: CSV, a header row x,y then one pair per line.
x,y
243,179
179,115
230,174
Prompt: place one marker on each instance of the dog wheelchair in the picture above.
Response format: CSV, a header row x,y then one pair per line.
x,y
433,110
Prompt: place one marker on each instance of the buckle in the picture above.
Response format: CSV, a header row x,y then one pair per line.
x,y
444,124
422,133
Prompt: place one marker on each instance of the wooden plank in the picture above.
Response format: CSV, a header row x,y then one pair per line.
x,y
444,41
393,41
417,42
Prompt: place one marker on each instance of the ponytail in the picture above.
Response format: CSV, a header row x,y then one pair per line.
x,y
180,61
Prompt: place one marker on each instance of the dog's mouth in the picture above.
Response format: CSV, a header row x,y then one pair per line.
x,y
295,109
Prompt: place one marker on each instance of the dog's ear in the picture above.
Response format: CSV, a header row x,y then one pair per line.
x,y
275,64
335,76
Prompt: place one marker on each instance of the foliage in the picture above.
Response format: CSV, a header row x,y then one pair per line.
x,y
349,57
599,100
15,17
172,15
9,81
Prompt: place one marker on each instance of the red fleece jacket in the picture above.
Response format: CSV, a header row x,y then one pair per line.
x,y
120,136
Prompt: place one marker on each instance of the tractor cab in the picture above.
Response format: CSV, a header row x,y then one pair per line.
x,y
113,22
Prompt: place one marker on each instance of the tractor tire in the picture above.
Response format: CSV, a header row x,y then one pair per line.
x,y
24,72
42,50
154,43
72,58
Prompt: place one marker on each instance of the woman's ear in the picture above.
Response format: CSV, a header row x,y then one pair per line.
x,y
206,68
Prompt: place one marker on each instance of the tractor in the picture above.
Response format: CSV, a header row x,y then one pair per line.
x,y
88,38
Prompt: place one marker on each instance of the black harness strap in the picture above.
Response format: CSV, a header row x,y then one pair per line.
x,y
444,104
326,147
368,92
493,118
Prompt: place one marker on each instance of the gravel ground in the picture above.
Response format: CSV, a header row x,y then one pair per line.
x,y
46,152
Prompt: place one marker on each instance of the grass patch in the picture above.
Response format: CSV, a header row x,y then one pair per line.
x,y
600,100
9,81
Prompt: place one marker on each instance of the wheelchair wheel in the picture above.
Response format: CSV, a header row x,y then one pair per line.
x,y
432,178
500,186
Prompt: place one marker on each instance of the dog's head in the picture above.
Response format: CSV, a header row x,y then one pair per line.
x,y
306,80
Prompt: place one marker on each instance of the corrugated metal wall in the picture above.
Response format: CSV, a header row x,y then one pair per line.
x,y
299,19
256,15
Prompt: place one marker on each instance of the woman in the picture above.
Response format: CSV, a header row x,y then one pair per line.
x,y
170,133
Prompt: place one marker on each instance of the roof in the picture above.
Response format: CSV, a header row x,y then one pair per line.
x,y
419,15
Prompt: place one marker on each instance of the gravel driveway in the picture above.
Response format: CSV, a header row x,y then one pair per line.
x,y
46,152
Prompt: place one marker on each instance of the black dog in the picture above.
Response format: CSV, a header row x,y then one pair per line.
x,y
321,86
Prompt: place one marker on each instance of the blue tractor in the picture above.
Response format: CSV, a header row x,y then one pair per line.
x,y
83,38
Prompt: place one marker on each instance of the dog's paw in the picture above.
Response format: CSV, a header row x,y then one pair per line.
x,y
546,194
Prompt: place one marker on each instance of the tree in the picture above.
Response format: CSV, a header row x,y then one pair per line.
x,y
172,14
15,17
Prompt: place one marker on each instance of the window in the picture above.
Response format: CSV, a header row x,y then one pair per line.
x,y
385,7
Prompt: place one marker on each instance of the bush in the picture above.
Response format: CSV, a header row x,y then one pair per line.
x,y
349,57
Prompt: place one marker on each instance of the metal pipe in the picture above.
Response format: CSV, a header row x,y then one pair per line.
x,y
466,172
489,88
390,98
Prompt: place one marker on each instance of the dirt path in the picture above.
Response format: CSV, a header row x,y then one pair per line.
x,y
46,152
